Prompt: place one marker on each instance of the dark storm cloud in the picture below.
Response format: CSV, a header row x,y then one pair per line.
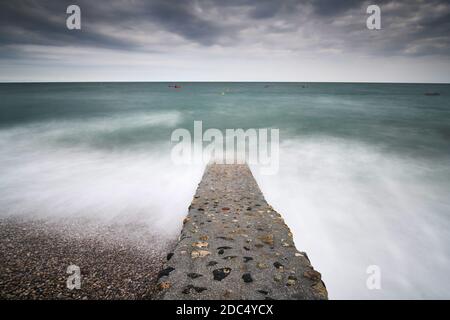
x,y
44,23
409,27
177,17
427,29
330,8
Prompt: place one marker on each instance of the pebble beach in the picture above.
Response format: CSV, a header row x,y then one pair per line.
x,y
117,261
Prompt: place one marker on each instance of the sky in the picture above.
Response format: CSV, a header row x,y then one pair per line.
x,y
218,40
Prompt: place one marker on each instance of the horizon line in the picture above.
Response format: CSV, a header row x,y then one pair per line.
x,y
215,81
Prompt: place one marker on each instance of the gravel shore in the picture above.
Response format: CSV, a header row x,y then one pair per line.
x,y
117,261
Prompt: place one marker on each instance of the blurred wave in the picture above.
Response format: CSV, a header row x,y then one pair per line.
x,y
351,205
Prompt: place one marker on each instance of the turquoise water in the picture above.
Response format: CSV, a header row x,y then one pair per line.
x,y
396,116
364,171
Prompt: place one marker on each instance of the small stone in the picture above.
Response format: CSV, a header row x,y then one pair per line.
x,y
247,259
291,281
267,239
320,290
190,287
220,274
247,277
278,265
225,208
277,278
203,238
229,257
200,244
211,263
298,254
312,275
194,275
165,272
199,254
164,285
262,265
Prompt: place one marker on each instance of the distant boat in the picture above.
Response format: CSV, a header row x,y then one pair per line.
x,y
174,86
432,94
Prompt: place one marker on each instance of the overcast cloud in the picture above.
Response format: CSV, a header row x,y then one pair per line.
x,y
195,40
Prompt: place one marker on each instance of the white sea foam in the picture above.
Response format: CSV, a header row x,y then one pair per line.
x,y
95,124
350,206
45,179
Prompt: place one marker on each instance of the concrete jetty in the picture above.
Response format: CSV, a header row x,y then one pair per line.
x,y
233,245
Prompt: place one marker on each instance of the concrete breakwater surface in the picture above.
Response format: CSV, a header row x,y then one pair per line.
x,y
233,245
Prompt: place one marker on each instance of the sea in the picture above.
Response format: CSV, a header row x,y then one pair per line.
x,y
363,179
